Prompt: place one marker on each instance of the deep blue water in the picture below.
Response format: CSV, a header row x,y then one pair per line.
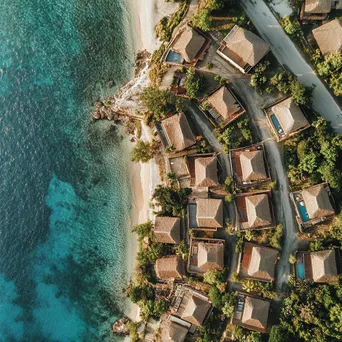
x,y
64,189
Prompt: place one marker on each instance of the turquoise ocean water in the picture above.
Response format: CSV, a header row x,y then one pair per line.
x,y
65,192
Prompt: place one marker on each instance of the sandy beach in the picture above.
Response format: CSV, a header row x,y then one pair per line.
x,y
144,177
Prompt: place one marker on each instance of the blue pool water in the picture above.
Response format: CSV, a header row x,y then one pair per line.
x,y
174,57
65,192
303,212
300,271
275,122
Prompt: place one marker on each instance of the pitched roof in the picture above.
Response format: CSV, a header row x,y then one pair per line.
x,y
317,201
170,267
173,332
224,103
206,171
210,256
247,45
289,115
258,210
255,313
209,213
178,132
252,166
196,309
167,229
189,44
329,37
262,263
317,6
323,265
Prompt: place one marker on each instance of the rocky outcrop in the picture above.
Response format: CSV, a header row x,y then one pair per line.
x,y
119,327
126,102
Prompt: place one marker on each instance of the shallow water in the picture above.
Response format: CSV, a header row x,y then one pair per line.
x,y
64,190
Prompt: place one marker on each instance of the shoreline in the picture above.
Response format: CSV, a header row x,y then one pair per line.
x,y
144,177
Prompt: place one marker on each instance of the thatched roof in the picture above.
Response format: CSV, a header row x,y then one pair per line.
x,y
255,313
210,256
167,229
189,44
262,263
209,213
171,267
289,115
323,265
206,171
247,45
224,103
258,210
317,201
196,309
178,132
329,37
173,332
317,6
252,166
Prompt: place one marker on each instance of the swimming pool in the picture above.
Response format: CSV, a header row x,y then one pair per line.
x,y
300,271
303,212
174,57
275,122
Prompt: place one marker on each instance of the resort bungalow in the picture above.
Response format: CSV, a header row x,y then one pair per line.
x,y
177,132
170,268
318,9
167,229
243,49
252,313
320,267
172,331
286,118
222,107
191,306
313,205
329,37
206,214
254,211
188,46
206,172
257,262
249,166
205,255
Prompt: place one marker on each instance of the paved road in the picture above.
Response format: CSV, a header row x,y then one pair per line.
x,y
287,54
253,102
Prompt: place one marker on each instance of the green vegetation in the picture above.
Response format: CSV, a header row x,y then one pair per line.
x,y
201,20
260,288
165,27
236,134
212,5
271,237
310,313
172,201
291,26
193,83
141,291
144,151
330,69
159,103
288,84
314,156
157,68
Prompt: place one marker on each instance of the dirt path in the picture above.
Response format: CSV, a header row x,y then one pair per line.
x,y
287,54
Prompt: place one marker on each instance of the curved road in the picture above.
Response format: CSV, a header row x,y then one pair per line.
x,y
287,54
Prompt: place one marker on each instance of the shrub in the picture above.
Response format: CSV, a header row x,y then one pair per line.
x,y
201,20
193,83
172,201
144,151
